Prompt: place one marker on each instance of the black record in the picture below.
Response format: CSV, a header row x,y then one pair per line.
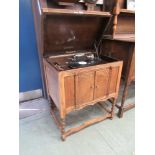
x,y
78,64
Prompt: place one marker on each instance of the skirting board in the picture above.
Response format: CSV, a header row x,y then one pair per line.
x,y
30,95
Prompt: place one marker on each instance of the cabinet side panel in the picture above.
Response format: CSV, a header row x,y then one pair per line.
x,y
38,22
114,79
69,92
53,85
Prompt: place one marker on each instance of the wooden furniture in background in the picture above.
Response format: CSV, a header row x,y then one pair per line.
x,y
62,32
119,42
122,50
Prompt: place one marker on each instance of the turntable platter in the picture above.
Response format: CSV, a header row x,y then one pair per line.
x,y
77,64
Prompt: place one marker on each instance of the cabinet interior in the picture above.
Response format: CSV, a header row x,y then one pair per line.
x,y
62,60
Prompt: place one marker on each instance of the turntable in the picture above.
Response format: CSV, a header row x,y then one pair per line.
x,y
83,60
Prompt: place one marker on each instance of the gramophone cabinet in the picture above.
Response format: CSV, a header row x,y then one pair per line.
x,y
61,34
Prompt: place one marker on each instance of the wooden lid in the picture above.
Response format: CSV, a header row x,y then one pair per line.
x,y
63,33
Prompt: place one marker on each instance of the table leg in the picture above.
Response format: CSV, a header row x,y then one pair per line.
x,y
125,91
113,107
63,129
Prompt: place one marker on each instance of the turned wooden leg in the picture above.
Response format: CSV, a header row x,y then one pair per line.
x,y
63,129
113,107
121,108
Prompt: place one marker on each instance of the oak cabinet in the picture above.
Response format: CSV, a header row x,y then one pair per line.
x,y
76,88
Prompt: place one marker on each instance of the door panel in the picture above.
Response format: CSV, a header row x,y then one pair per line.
x,y
113,79
101,83
84,88
69,91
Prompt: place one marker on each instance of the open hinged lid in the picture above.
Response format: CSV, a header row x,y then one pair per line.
x,y
64,33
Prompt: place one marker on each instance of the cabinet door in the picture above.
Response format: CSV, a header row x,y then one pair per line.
x,y
114,77
69,92
101,83
84,88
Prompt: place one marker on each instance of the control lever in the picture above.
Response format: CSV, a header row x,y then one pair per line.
x,y
58,66
96,50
